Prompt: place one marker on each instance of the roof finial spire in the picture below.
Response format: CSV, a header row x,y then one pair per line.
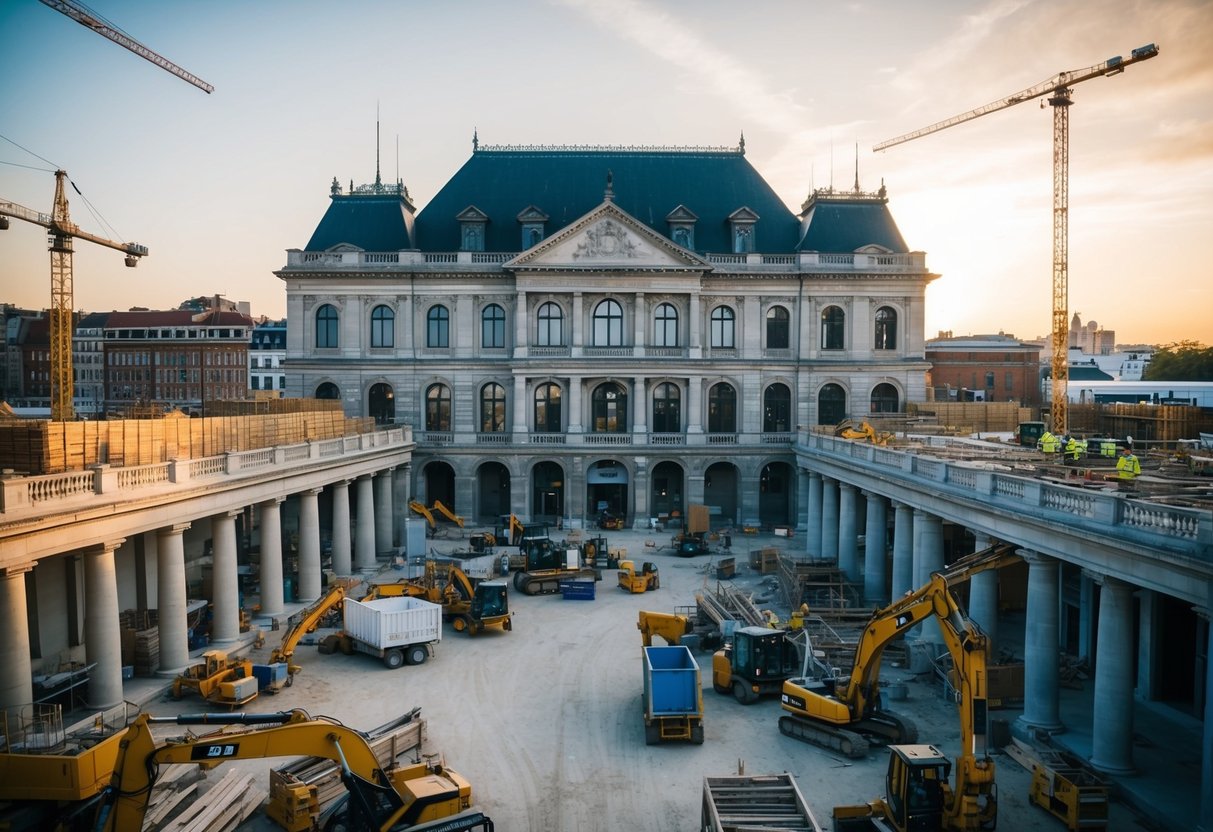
x,y
856,167
475,140
378,181
609,195
741,143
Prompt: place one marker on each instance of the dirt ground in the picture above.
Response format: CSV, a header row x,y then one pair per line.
x,y
545,721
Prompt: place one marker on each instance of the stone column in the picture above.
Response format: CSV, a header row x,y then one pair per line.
x,y
694,404
364,530
383,512
577,323
272,590
521,329
848,548
102,636
829,519
695,329
16,682
309,545
573,415
171,599
983,600
1042,705
813,518
520,405
1205,817
401,494
1112,713
639,409
903,550
875,536
928,559
641,322
342,538
225,580
802,500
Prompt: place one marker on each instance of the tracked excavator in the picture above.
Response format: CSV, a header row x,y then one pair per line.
x,y
471,608
844,714
847,430
413,797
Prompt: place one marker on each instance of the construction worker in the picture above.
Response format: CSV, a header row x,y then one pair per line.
x,y
1127,467
1048,443
1073,450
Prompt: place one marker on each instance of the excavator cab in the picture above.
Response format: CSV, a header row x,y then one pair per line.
x,y
916,788
490,600
756,664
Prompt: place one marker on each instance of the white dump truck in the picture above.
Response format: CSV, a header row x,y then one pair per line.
x,y
399,630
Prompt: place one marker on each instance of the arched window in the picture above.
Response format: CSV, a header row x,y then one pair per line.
x,y
549,329
777,328
547,408
492,408
682,236
438,327
326,327
833,324
438,407
383,327
608,324
492,327
328,390
667,408
665,326
831,405
885,399
610,409
777,409
886,328
722,328
722,409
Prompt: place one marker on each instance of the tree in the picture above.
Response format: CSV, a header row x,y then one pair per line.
x,y
1181,361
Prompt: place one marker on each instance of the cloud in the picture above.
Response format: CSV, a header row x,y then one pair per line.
x,y
714,70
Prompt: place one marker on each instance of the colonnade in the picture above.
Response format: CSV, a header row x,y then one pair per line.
x,y
372,534
917,543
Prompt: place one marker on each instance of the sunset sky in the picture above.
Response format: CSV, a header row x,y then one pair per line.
x,y
219,186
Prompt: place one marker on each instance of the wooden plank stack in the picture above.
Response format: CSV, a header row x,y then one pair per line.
x,y
36,447
140,641
222,808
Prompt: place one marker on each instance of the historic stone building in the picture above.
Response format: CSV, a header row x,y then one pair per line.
x,y
578,329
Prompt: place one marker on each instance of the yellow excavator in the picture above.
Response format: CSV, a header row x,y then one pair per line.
x,y
438,507
847,430
841,713
471,608
397,798
670,626
649,577
308,623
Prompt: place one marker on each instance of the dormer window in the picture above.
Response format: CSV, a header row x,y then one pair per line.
x,y
472,222
742,225
682,226
533,222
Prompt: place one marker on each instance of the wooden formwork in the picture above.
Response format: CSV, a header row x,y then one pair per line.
x,y
46,447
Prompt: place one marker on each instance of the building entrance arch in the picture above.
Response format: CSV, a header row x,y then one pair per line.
x,y
493,491
606,488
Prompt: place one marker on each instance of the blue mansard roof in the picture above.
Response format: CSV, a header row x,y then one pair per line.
x,y
562,184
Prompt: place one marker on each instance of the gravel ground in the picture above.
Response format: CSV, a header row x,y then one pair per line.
x,y
545,721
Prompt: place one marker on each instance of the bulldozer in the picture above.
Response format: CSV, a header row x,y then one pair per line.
x,y
847,430
218,678
648,578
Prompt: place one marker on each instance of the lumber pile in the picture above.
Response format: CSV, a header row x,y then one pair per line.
x,y
222,808
140,641
174,785
729,604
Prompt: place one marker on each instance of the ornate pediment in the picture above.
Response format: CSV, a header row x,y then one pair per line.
x,y
472,214
532,214
342,248
872,248
681,214
607,238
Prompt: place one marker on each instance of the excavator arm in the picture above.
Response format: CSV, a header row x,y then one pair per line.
x,y
420,508
379,800
441,508
307,624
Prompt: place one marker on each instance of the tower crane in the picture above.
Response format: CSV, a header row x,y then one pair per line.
x,y
91,20
1058,89
62,232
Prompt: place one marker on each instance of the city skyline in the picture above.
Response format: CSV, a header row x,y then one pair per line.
x,y
219,186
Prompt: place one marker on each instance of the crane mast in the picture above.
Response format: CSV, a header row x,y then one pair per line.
x,y
1059,89
92,20
62,233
